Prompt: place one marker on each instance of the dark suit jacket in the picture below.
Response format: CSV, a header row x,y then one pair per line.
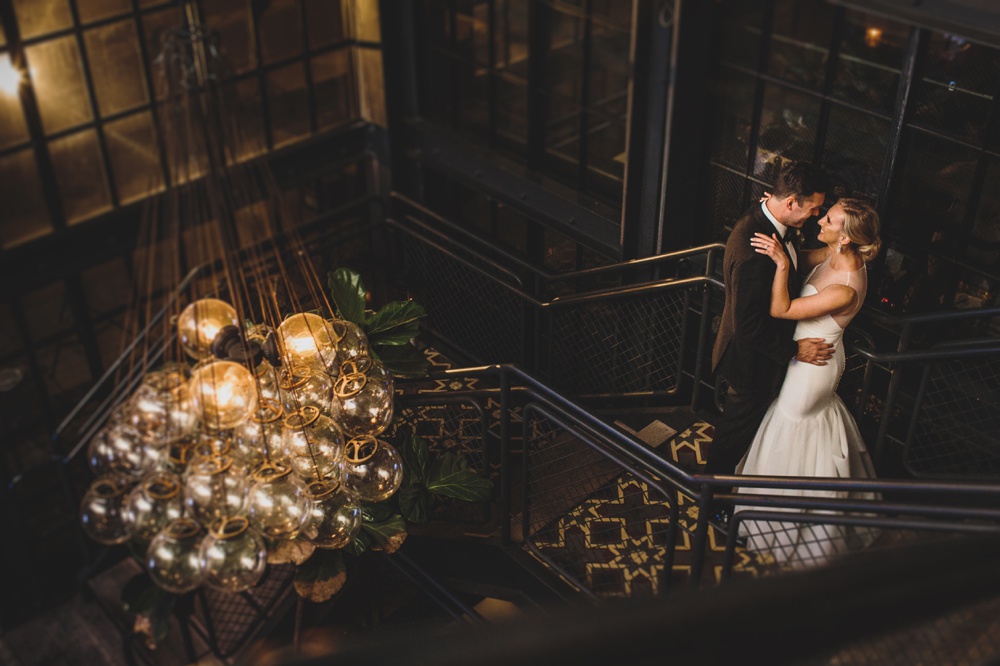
x,y
752,348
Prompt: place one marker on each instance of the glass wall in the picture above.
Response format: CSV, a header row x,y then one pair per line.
x,y
78,133
544,83
903,117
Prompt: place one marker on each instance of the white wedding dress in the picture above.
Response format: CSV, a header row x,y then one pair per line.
x,y
808,431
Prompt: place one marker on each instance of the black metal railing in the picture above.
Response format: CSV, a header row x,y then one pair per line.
x,y
617,519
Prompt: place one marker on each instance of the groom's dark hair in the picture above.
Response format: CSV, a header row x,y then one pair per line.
x,y
801,180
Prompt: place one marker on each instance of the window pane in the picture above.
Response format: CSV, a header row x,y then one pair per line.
x,y
155,28
331,76
731,110
934,190
324,22
83,185
40,17
13,129
116,67
787,130
288,103
60,88
280,30
871,57
244,103
24,215
984,245
800,41
855,150
95,10
135,160
741,30
956,93
229,18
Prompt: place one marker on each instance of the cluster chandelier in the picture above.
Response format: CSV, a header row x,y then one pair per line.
x,y
254,418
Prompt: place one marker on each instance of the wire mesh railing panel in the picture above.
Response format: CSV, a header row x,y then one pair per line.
x,y
781,544
957,429
969,636
229,621
600,526
457,426
627,345
470,311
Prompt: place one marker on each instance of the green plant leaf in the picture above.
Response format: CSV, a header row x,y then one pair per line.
x,y
321,576
348,293
140,594
450,476
416,459
413,502
386,535
358,545
395,324
374,512
402,360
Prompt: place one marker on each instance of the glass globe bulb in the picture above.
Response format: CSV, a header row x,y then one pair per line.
x,y
307,339
364,390
278,503
259,437
233,557
125,451
301,386
173,558
161,409
353,342
373,470
200,322
102,510
224,394
154,502
312,444
335,515
214,488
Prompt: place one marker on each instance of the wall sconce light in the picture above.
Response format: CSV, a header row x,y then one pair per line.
x,y
873,37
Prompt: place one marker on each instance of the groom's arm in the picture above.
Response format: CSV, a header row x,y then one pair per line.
x,y
751,294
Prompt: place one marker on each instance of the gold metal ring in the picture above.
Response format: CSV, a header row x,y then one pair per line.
x,y
337,335
161,487
321,490
108,487
182,528
270,471
296,376
349,384
360,449
269,412
230,527
302,417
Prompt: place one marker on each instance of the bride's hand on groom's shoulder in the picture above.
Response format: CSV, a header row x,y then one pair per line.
x,y
770,246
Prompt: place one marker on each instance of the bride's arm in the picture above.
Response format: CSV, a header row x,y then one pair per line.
x,y
833,299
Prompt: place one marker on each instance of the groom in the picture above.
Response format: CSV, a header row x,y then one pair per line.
x,y
752,349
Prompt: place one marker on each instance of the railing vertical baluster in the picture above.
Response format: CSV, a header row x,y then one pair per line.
x,y
505,480
701,534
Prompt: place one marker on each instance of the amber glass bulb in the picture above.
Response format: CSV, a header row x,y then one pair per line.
x,y
364,391
214,488
313,444
278,503
373,469
307,339
154,502
200,322
224,393
161,409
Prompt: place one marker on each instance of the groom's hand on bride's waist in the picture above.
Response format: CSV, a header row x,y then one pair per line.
x,y
814,350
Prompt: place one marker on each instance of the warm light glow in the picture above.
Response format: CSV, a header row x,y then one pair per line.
x,y
308,340
10,76
200,322
873,37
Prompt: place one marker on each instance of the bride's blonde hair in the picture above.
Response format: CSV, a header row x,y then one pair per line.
x,y
861,225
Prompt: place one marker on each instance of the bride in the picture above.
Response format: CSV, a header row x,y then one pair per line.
x,y
808,430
